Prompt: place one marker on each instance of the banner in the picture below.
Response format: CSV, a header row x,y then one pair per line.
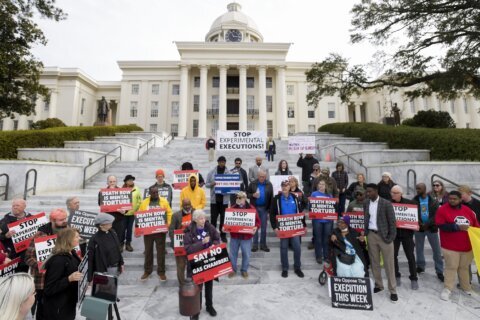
x,y
290,225
25,229
180,178
227,183
241,140
150,221
162,192
83,282
277,182
10,268
239,220
301,144
210,263
114,199
351,293
322,208
406,216
43,248
357,220
178,248
84,222
474,235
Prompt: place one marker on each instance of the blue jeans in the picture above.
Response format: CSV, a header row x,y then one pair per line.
x,y
297,251
129,227
321,232
246,246
263,214
434,244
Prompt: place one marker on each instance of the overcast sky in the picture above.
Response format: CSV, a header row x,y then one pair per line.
x,y
98,33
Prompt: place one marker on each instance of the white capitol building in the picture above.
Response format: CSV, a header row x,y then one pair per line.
x,y
231,81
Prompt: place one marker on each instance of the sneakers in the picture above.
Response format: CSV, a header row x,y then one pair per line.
x,y
265,248
284,274
244,274
311,246
145,276
211,311
128,247
162,277
399,281
440,277
231,274
299,273
414,285
254,248
377,290
394,297
472,294
445,294
420,270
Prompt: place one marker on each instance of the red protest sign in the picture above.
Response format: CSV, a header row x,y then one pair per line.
x,y
406,216
150,221
322,208
114,199
25,229
290,225
180,178
178,248
239,220
43,248
357,220
210,263
10,268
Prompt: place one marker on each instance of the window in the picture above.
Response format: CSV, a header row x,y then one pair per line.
x,y
154,109
1,125
215,102
291,110
452,106
82,106
135,89
311,112
290,90
175,108
250,125
269,82
425,103
439,104
465,105
250,102
467,125
311,128
153,127
155,89
196,82
291,129
379,107
174,129
175,89
46,106
270,128
195,128
133,109
30,123
215,82
331,110
15,124
412,106
250,82
196,103
214,129
269,104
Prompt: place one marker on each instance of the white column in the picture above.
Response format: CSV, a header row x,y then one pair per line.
x,y
281,104
222,97
262,99
243,99
183,112
202,115
474,107
358,112
52,111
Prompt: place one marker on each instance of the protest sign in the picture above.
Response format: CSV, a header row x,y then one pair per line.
x,y
84,222
322,208
83,282
241,140
406,216
210,263
162,192
301,144
227,183
357,220
277,182
351,293
43,248
150,221
180,178
10,268
239,220
290,225
178,248
25,229
114,199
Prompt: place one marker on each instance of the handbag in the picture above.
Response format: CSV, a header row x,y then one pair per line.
x,y
346,258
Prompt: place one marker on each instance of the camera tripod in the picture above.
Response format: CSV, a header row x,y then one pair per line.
x,y
110,313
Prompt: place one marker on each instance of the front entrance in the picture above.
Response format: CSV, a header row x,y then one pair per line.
x,y
233,126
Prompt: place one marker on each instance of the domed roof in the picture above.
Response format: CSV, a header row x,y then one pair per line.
x,y
234,19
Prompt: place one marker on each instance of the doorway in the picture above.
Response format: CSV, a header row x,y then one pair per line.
x,y
233,126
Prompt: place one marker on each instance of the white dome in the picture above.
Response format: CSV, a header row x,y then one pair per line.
x,y
234,19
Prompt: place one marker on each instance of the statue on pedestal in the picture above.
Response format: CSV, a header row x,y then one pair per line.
x,y
396,114
102,110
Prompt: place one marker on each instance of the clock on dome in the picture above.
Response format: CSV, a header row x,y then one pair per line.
x,y
233,35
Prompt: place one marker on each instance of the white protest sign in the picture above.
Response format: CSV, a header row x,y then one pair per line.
x,y
301,144
241,140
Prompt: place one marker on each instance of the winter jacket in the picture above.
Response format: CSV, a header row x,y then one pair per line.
x,y
196,196
307,166
405,233
432,211
8,243
252,188
276,209
210,184
103,252
339,247
164,191
180,221
192,244
352,187
384,189
244,236
136,200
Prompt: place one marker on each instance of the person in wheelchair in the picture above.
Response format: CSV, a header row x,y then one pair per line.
x,y
346,250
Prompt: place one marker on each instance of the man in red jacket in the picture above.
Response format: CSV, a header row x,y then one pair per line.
x,y
453,220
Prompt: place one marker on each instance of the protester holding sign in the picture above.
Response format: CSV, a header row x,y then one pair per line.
x,y
164,189
61,277
73,204
194,192
58,221
307,167
129,215
243,177
188,166
16,214
284,204
405,238
17,293
200,235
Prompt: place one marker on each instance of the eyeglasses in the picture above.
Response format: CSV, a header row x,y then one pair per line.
x,y
437,185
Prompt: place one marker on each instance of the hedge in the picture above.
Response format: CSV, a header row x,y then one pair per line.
x,y
444,144
53,137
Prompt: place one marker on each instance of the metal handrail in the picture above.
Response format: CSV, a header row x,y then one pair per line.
x,y
34,187
167,137
5,194
104,157
143,145
348,161
432,178
414,180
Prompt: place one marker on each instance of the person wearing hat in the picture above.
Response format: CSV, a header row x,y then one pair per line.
x,y
357,203
164,189
218,202
128,182
103,249
385,186
361,183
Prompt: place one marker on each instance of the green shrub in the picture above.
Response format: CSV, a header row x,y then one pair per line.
x,y
48,123
53,137
444,144
430,119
